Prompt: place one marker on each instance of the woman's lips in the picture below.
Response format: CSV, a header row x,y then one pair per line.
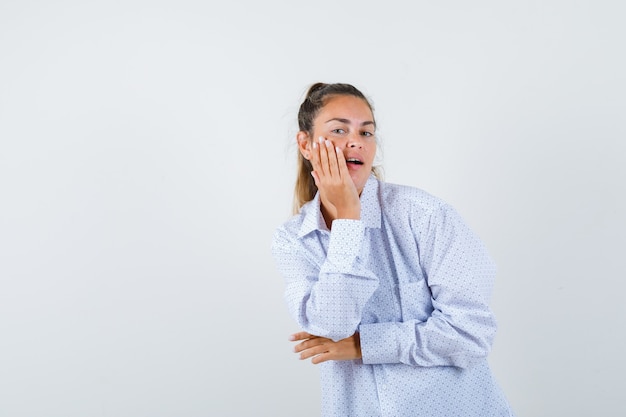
x,y
354,159
354,163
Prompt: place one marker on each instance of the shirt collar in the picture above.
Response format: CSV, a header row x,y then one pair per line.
x,y
370,210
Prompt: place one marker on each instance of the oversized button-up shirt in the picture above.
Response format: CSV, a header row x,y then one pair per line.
x,y
414,281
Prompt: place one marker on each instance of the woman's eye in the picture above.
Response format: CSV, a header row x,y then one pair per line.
x,y
368,134
338,131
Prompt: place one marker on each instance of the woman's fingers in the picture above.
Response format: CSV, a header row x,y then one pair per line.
x,y
322,357
310,343
316,179
342,165
313,346
315,157
324,163
324,160
313,351
338,193
322,349
331,152
301,336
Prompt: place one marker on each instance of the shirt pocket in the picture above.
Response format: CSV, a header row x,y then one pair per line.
x,y
415,300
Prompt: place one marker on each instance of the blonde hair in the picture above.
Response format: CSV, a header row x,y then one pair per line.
x,y
316,97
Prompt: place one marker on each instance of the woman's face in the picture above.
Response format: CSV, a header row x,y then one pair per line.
x,y
348,123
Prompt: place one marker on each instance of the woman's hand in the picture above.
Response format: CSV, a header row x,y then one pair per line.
x,y
322,349
339,196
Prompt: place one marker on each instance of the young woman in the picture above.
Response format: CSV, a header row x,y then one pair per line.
x,y
388,284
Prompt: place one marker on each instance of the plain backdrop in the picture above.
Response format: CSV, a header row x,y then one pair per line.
x,y
147,155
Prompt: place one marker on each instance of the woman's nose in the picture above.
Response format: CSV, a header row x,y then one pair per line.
x,y
354,141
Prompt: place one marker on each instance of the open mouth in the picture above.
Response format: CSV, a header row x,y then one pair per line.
x,y
354,161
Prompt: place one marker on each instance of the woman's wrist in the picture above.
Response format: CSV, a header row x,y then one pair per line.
x,y
353,214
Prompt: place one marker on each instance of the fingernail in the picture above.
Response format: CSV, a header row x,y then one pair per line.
x,y
292,337
337,149
328,144
321,139
314,145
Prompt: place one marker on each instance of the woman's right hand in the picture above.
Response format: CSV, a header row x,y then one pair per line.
x,y
338,194
322,349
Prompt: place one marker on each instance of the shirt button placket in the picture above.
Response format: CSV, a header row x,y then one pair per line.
x,y
382,387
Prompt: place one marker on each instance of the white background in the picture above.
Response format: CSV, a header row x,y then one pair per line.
x,y
147,155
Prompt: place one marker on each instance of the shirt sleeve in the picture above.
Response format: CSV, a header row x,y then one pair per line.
x,y
460,275
325,293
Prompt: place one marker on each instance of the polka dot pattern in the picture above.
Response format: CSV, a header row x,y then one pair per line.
x,y
415,282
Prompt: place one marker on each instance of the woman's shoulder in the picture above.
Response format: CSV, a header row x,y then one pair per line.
x,y
305,219
420,207
392,193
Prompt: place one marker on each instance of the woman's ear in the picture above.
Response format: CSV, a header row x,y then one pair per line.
x,y
304,144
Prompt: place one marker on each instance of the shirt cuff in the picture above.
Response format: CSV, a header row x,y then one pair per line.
x,y
346,238
380,343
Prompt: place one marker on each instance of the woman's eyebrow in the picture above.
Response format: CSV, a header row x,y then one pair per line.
x,y
346,121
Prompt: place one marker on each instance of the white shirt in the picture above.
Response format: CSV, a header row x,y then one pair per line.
x,y
415,282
